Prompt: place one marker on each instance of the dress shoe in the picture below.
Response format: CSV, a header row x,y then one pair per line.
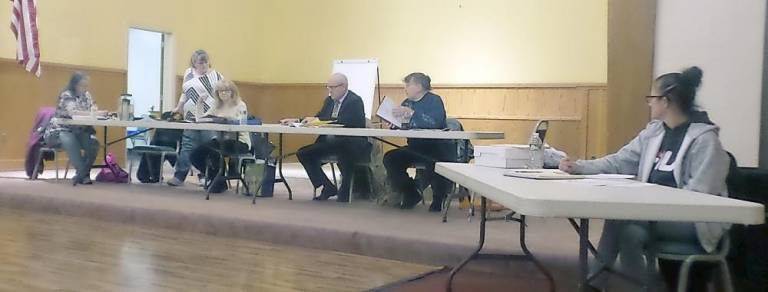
x,y
328,191
410,200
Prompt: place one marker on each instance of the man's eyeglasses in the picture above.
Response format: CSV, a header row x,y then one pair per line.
x,y
333,86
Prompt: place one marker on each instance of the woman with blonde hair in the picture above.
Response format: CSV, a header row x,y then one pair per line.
x,y
195,100
229,107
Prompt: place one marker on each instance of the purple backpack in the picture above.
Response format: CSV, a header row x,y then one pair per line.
x,y
112,173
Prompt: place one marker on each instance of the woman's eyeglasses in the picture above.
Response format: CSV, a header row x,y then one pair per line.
x,y
648,98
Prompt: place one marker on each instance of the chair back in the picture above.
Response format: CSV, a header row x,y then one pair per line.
x,y
464,149
261,148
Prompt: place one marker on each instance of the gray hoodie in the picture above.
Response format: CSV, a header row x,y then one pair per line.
x,y
703,168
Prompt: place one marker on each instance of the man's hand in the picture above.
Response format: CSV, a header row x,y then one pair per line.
x,y
308,120
288,122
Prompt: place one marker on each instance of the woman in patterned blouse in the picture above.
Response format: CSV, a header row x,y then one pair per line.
x,y
78,141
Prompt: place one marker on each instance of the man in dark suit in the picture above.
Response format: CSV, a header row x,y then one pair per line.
x,y
346,108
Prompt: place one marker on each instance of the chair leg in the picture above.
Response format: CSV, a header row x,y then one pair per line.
x,y
160,170
333,173
66,170
471,206
56,163
726,274
682,279
242,175
446,205
369,176
351,185
37,165
130,167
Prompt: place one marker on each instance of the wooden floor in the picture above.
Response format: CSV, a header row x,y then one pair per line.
x,y
51,252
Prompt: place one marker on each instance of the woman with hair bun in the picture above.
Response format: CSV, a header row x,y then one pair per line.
x,y
679,148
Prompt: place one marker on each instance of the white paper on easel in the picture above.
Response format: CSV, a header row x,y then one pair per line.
x,y
386,111
363,77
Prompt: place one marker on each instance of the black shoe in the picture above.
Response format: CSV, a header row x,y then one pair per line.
x,y
218,186
76,180
436,206
410,201
328,191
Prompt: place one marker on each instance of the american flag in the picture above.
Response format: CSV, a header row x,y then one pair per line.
x,y
24,27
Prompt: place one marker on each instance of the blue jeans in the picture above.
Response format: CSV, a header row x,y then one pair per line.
x,y
81,149
629,240
190,140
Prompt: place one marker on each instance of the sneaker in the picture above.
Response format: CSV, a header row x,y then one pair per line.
x,y
175,182
86,181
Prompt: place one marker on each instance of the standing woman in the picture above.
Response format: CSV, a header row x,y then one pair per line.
x,y
195,101
78,141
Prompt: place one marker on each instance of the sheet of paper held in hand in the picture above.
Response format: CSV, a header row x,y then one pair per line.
x,y
385,111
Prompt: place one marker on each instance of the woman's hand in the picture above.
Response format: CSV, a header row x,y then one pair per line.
x,y
567,165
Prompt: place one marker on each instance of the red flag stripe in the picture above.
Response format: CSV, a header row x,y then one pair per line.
x,y
24,27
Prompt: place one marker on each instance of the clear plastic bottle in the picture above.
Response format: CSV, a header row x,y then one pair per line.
x,y
243,117
536,151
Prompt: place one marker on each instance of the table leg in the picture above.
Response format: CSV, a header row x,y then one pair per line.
x,y
530,256
604,268
479,247
583,254
106,144
280,167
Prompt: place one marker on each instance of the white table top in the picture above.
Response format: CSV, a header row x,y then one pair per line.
x,y
566,199
280,129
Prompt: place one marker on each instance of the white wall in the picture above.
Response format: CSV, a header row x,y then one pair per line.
x,y
725,39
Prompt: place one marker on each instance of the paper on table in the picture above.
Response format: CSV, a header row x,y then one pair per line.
x,y
610,176
607,182
542,174
385,111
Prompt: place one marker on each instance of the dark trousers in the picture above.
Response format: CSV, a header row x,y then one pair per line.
x,y
209,155
348,151
399,160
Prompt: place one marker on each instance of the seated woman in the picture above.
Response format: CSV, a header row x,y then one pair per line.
x,y
679,148
78,141
228,107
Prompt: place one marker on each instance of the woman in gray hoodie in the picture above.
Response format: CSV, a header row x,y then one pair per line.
x,y
679,148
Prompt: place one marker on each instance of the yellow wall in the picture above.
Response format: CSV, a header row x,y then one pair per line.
x,y
294,41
